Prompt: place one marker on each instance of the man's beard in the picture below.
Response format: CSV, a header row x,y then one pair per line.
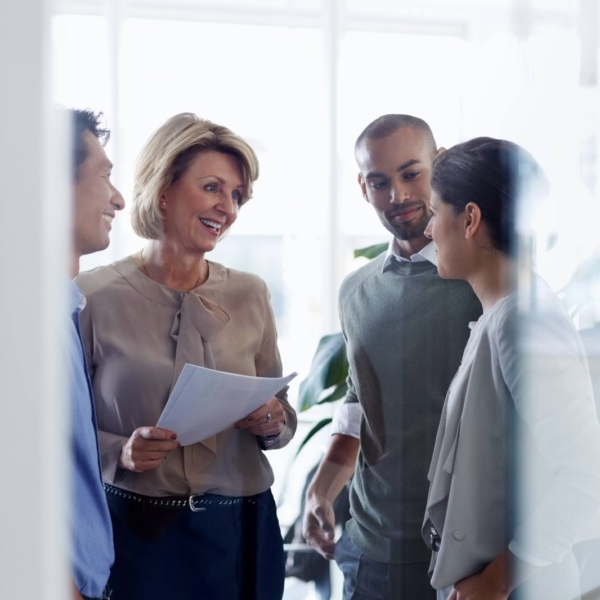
x,y
411,229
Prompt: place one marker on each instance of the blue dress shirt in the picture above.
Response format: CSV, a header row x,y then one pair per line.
x,y
92,552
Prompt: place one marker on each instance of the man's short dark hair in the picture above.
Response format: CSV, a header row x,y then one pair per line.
x,y
84,120
385,125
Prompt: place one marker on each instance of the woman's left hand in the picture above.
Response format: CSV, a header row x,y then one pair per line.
x,y
269,419
493,583
476,587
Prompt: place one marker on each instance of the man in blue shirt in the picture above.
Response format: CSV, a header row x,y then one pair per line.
x,y
95,201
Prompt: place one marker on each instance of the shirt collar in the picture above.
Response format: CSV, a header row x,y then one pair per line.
x,y
76,297
393,253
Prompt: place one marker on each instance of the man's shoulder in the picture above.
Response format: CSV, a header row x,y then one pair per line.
x,y
372,269
74,296
96,279
460,294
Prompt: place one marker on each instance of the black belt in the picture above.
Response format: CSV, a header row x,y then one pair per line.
x,y
195,502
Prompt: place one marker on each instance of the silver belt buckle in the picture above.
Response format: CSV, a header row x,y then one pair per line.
x,y
191,500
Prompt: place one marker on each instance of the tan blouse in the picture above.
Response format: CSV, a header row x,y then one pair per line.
x,y
139,334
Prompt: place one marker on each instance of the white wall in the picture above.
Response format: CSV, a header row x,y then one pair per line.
x,y
33,224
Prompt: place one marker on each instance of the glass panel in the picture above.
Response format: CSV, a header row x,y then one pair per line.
x,y
267,84
387,8
230,5
81,78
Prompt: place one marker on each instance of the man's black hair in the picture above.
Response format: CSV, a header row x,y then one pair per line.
x,y
385,125
85,120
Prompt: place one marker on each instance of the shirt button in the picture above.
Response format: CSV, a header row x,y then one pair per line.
x,y
459,535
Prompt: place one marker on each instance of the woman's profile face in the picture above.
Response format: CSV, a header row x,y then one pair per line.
x,y
204,202
446,230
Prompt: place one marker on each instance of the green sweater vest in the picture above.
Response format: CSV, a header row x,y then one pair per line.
x,y
405,331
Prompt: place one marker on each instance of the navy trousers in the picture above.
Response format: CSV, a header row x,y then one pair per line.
x,y
231,551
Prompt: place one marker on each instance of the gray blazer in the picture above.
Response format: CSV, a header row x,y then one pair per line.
x,y
533,393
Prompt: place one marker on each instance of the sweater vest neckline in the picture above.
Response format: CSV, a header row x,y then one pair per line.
x,y
408,268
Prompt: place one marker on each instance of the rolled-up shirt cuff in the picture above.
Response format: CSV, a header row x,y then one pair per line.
x,y
525,556
346,419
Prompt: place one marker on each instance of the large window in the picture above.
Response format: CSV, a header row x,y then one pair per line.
x,y
516,76
300,80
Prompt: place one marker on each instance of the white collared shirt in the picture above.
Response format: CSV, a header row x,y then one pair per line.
x,y
429,253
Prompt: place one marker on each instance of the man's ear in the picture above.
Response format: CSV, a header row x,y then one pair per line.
x,y
472,216
363,186
440,150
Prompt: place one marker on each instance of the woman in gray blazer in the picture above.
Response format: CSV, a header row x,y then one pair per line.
x,y
515,474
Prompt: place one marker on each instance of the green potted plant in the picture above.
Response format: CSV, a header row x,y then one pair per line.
x,y
326,380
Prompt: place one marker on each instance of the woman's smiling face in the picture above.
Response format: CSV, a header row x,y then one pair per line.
x,y
204,202
447,231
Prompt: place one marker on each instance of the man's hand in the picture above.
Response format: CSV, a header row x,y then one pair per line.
x,y
334,471
318,525
268,419
147,448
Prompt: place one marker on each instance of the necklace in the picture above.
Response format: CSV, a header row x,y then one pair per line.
x,y
198,283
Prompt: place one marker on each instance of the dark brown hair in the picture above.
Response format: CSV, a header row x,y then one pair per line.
x,y
385,125
81,121
492,173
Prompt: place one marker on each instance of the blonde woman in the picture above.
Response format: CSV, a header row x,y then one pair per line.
x,y
197,521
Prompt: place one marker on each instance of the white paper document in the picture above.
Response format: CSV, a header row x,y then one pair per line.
x,y
205,402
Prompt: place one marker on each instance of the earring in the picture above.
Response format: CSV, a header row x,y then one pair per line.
x,y
163,203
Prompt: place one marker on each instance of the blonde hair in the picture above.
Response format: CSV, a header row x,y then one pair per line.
x,y
167,155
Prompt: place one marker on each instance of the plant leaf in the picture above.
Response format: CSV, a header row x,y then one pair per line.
x,y
329,368
322,423
371,251
338,392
